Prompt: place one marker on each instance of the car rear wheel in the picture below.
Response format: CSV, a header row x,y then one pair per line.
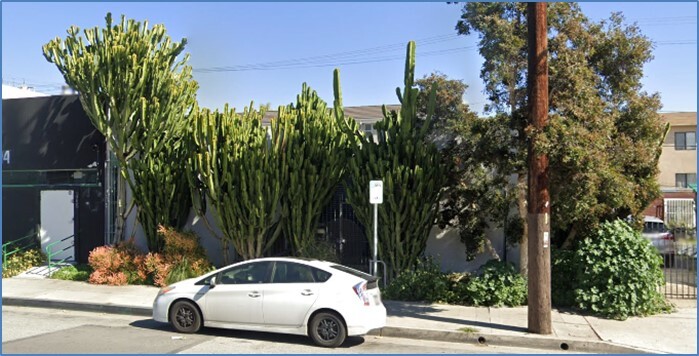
x,y
327,330
185,317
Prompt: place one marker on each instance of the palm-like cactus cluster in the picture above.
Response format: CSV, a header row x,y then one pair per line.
x,y
242,173
139,96
315,156
411,171
260,181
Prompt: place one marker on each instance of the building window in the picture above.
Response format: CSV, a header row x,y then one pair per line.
x,y
682,180
685,140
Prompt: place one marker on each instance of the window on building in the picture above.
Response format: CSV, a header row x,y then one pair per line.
x,y
682,180
685,141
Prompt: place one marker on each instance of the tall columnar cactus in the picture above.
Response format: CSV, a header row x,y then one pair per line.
x,y
411,172
139,96
316,153
241,171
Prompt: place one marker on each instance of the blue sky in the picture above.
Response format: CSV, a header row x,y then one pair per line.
x,y
239,34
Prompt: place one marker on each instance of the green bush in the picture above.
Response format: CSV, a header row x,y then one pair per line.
x,y
618,274
22,261
425,283
498,284
73,273
562,278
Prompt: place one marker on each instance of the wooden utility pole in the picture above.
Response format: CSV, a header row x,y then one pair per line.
x,y
539,281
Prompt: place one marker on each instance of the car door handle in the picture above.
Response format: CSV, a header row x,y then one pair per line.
x,y
254,294
307,292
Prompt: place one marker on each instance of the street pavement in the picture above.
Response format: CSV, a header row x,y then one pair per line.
x,y
665,333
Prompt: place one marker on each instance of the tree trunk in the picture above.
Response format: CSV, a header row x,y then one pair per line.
x,y
568,243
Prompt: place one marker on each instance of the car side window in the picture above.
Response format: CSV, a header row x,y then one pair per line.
x,y
289,272
250,273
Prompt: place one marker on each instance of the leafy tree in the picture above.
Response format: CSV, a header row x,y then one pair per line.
x,y
410,169
478,194
604,132
139,96
316,153
242,175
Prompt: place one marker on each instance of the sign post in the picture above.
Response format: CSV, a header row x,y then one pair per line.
x,y
376,198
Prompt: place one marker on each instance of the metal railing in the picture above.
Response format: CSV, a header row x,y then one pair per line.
x,y
50,253
7,248
679,269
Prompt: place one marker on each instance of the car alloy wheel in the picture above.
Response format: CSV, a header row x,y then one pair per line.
x,y
185,317
327,330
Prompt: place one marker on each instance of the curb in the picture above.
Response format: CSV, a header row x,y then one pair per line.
x,y
537,342
78,306
388,331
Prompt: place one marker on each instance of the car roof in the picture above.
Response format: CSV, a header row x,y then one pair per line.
x,y
309,261
652,219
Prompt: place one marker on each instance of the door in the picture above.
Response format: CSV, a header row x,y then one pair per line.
x,y
291,294
238,294
57,228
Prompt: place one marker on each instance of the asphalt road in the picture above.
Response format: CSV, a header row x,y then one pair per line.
x,y
36,330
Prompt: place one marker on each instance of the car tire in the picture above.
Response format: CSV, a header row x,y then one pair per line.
x,y
327,329
185,317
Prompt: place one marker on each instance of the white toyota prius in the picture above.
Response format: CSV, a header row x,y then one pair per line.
x,y
324,300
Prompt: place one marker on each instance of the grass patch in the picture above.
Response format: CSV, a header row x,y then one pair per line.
x,y
73,273
469,330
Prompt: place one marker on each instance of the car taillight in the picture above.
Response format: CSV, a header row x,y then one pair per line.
x,y
360,290
668,237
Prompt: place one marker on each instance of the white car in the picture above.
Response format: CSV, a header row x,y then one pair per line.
x,y
321,299
654,231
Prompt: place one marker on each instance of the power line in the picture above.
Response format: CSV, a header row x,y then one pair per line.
x,y
323,60
267,66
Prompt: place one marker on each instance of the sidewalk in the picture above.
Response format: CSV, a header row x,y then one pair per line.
x,y
666,333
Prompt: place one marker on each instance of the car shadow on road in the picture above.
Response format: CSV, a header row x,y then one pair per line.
x,y
426,312
246,335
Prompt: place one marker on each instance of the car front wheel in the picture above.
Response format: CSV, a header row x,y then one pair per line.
x,y
185,317
327,330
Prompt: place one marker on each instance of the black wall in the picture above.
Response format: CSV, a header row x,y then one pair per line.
x,y
48,133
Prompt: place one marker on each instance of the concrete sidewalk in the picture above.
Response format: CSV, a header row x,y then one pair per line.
x,y
665,333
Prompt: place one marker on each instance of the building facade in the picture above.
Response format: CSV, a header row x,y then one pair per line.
x,y
678,172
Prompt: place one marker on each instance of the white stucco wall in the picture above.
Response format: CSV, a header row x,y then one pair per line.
x,y
447,248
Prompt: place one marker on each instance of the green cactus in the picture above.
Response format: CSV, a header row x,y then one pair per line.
x,y
411,172
138,95
241,172
315,155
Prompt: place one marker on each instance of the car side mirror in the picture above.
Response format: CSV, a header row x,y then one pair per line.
x,y
212,282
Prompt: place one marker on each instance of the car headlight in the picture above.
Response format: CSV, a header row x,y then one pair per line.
x,y
165,290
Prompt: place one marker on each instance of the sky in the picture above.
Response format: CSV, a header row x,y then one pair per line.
x,y
257,42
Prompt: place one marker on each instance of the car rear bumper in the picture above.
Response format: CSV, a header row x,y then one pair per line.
x,y
366,319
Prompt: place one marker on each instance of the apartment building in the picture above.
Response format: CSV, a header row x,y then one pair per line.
x,y
678,172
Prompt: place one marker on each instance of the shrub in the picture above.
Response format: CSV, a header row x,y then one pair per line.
x,y
22,261
73,273
116,265
619,273
425,282
498,284
183,257
122,263
562,278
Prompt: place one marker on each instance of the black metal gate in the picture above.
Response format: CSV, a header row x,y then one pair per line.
x,y
343,229
680,269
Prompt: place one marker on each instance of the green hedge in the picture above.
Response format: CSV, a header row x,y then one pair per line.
x,y
496,284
